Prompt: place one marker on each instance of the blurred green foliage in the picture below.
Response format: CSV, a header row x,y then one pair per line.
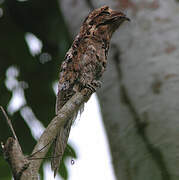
x,y
44,19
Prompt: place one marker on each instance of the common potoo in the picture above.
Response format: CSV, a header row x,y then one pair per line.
x,y
84,65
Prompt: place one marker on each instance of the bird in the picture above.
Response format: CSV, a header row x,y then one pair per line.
x,y
83,66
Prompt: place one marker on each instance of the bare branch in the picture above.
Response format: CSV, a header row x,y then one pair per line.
x,y
8,122
51,131
25,168
13,154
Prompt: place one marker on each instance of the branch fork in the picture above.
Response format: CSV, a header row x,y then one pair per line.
x,y
24,168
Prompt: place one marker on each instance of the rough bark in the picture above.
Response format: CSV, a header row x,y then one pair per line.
x,y
139,97
26,168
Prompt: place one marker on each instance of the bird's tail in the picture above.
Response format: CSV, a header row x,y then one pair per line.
x,y
61,139
60,143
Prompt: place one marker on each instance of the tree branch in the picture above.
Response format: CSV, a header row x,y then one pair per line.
x,y
24,168
8,122
13,154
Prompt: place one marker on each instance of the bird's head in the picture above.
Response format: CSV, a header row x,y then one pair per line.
x,y
103,22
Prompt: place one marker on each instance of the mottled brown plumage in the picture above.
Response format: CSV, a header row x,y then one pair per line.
x,y
84,65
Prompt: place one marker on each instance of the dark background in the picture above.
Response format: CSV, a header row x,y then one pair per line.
x,y
44,19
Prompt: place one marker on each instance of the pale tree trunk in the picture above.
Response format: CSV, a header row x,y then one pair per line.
x,y
140,93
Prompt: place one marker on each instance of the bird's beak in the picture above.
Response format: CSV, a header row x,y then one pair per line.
x,y
116,19
125,18
119,16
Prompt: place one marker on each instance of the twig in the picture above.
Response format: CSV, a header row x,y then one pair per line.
x,y
51,131
33,154
8,122
26,168
49,157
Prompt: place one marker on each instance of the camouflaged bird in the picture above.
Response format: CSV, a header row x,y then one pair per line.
x,y
84,65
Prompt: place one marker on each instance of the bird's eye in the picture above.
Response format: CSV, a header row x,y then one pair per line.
x,y
104,13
